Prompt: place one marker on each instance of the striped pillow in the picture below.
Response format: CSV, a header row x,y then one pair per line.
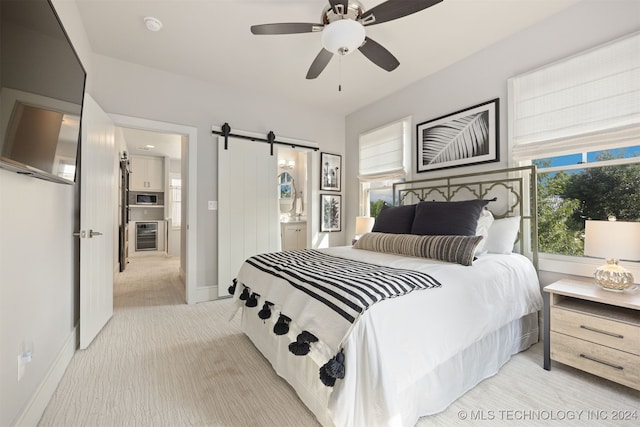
x,y
459,249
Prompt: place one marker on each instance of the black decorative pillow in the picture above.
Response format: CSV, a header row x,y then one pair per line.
x,y
395,219
458,249
447,218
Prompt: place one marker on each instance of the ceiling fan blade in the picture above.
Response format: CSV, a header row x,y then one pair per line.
x,y
378,55
285,28
319,64
394,9
334,3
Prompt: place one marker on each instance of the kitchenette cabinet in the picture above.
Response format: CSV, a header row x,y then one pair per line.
x,y
147,173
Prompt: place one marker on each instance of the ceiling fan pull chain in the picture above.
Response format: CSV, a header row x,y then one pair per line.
x,y
339,73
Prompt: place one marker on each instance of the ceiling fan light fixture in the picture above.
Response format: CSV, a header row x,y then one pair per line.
x,y
343,36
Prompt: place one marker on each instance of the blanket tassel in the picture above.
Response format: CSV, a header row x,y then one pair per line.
x,y
302,345
282,325
245,294
232,288
332,370
265,313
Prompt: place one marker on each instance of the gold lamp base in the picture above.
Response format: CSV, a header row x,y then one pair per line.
x,y
613,277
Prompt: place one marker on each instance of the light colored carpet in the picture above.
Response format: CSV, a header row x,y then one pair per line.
x,y
160,362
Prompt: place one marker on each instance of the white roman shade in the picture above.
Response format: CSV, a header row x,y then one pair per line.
x,y
382,155
588,100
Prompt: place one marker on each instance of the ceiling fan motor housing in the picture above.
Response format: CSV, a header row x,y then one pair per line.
x,y
354,11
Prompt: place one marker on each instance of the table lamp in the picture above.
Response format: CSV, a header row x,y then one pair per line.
x,y
612,240
364,224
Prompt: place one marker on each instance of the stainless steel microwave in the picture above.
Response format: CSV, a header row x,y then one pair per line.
x,y
136,198
146,199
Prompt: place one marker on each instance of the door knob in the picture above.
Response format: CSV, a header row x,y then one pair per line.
x,y
94,233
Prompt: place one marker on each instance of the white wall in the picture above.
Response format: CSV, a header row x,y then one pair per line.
x,y
483,76
133,90
38,260
38,296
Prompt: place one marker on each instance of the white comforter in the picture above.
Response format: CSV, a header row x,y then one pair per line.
x,y
400,341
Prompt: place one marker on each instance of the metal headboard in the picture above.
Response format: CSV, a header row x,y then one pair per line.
x,y
514,189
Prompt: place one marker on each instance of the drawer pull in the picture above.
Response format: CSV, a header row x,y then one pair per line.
x,y
593,359
600,331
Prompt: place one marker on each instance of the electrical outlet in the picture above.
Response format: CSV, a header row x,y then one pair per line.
x,y
212,205
22,366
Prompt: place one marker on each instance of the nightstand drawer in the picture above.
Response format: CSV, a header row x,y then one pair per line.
x,y
618,366
618,335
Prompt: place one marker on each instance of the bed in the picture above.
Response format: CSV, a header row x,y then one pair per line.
x,y
449,311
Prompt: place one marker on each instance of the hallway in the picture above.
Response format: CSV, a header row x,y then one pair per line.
x,y
152,280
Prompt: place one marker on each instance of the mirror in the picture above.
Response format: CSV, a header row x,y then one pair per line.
x,y
286,193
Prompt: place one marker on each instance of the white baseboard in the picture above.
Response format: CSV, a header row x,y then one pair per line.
x,y
206,293
40,399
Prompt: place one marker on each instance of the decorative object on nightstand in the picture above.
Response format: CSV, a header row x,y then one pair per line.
x,y
364,224
613,240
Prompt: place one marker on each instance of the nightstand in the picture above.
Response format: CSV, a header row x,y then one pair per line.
x,y
594,330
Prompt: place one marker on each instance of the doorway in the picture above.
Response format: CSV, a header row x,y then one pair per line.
x,y
173,207
153,196
293,183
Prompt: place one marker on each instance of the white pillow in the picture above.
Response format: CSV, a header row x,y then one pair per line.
x,y
484,223
502,235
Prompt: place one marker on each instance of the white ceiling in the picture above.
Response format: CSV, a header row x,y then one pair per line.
x,y
163,144
210,40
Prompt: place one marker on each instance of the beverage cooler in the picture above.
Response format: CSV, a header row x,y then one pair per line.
x,y
146,236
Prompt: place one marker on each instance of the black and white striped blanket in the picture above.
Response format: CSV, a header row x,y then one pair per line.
x,y
322,293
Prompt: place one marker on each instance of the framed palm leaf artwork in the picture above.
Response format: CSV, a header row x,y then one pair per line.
x,y
330,207
463,138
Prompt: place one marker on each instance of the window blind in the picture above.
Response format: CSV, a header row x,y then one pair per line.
x,y
382,154
588,100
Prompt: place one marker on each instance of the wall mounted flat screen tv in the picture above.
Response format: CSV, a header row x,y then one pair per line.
x,y
41,92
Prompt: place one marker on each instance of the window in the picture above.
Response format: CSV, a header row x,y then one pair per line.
x,y
175,193
383,159
578,120
587,185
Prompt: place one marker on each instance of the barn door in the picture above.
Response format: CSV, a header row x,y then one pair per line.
x,y
248,213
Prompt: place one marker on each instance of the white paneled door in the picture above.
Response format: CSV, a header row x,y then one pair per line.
x,y
97,219
248,213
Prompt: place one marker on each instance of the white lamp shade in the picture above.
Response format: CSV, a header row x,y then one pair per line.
x,y
612,239
364,224
343,36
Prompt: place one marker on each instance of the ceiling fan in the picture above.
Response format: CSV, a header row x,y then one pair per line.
x,y
342,26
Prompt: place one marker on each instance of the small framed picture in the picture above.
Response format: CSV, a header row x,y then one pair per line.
x,y
466,137
330,208
330,169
